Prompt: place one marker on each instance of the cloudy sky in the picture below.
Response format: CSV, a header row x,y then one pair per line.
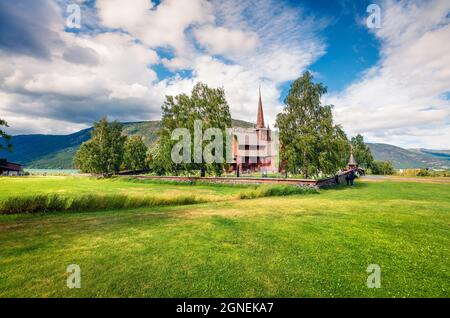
x,y
391,84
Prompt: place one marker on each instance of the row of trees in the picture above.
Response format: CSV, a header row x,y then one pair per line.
x,y
310,142
109,150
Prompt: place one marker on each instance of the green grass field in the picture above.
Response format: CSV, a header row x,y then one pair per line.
x,y
292,246
73,186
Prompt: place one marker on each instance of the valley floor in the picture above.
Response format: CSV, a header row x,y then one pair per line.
x,y
314,245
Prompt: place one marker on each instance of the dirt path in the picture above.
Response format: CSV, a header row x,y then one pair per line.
x,y
407,179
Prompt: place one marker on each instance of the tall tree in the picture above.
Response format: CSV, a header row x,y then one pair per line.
x,y
5,139
103,153
135,153
206,104
361,151
310,143
382,167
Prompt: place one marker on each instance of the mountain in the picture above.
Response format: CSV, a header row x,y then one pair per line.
x,y
439,154
57,151
46,151
410,158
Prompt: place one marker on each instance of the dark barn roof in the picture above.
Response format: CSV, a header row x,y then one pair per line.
x,y
9,166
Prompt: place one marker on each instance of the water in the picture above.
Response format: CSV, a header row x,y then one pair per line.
x,y
52,172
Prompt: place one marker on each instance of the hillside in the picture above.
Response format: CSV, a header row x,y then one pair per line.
x,y
404,158
438,154
46,151
57,151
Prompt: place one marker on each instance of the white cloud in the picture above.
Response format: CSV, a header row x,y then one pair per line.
x,y
220,40
401,99
163,25
109,71
117,85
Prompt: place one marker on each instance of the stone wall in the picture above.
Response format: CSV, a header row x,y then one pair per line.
x,y
333,181
234,180
309,183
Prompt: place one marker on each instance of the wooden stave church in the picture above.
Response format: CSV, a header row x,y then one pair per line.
x,y
254,148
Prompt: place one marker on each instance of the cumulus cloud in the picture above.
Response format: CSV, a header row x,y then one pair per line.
x,y
65,79
162,25
403,99
29,28
53,80
81,55
223,41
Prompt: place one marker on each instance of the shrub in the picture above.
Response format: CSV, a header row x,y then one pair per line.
x,y
188,182
382,167
274,190
423,173
53,203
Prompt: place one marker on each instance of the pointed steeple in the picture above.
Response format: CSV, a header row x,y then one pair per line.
x,y
352,161
260,118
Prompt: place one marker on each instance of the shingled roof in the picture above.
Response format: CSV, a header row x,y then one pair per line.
x,y
352,161
10,166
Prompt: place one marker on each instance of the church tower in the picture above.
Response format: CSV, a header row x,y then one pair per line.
x,y
352,164
260,116
262,131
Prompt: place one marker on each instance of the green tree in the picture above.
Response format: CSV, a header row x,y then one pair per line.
x,y
382,167
5,139
361,152
135,153
206,104
103,153
310,143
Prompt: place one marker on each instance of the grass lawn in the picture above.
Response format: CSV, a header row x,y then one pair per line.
x,y
72,186
292,246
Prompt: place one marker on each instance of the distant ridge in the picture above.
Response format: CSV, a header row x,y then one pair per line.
x,y
410,158
440,154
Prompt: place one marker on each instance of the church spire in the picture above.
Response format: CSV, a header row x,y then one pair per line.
x,y
352,162
260,118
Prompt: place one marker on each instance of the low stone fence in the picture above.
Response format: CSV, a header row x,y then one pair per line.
x,y
333,181
309,183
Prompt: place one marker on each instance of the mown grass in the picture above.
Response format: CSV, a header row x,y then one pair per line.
x,y
73,186
289,246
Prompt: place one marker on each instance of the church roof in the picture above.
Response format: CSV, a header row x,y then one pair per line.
x,y
9,166
352,160
260,118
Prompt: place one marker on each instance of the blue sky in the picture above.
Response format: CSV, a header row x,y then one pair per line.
x,y
354,49
351,47
390,84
